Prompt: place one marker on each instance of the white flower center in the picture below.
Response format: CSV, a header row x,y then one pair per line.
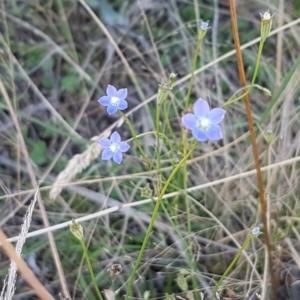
x,y
114,147
114,101
204,124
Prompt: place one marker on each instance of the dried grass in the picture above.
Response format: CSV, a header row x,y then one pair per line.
x,y
76,165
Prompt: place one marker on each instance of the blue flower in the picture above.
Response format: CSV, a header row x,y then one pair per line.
x,y
113,148
204,25
256,231
114,100
204,122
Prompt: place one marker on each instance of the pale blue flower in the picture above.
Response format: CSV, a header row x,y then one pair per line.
x,y
204,122
256,231
113,148
204,25
115,99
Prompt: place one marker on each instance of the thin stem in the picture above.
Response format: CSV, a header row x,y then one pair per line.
x,y
252,85
249,88
154,216
86,255
137,141
188,96
166,114
258,59
157,124
229,268
187,205
184,137
152,132
254,145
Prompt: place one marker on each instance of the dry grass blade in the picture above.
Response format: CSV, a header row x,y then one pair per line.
x,y
8,289
77,164
80,161
25,271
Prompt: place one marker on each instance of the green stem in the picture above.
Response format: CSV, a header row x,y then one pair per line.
x,y
231,265
187,204
158,107
154,216
234,99
166,114
187,104
137,141
86,255
151,132
200,39
252,85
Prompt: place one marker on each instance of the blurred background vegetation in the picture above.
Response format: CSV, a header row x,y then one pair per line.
x,y
56,60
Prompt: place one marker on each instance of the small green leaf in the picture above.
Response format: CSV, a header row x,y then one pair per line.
x,y
37,153
70,83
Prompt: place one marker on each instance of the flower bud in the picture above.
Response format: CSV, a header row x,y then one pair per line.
x,y
203,29
204,25
266,25
267,92
172,78
76,229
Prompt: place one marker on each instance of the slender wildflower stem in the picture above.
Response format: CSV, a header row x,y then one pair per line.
x,y
154,216
152,132
201,35
160,98
199,42
263,205
86,255
137,141
166,114
167,119
229,268
247,89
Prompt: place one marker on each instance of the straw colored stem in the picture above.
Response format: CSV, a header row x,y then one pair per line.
x,y
253,142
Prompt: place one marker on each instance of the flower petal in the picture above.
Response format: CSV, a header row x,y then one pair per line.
x,y
124,146
123,105
216,115
105,143
189,121
112,109
115,137
122,94
118,157
199,134
201,108
107,154
111,91
104,100
214,133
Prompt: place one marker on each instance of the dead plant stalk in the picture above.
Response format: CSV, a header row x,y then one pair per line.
x,y
254,145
